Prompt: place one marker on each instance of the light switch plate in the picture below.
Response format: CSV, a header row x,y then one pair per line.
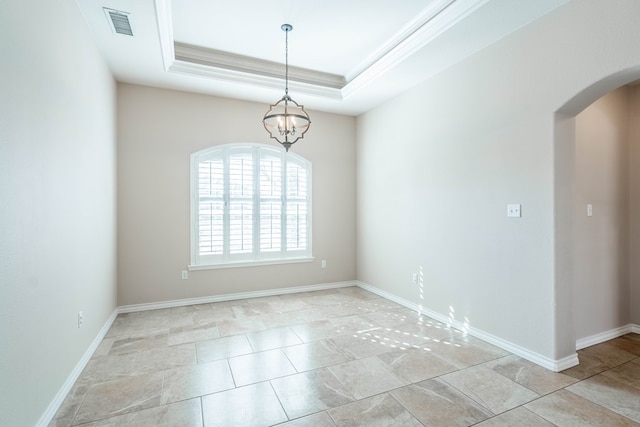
x,y
513,211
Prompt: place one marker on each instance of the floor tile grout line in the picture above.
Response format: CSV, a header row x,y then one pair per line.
x,y
598,404
298,336
469,397
516,407
75,414
246,335
290,361
537,414
233,377
284,410
201,410
400,403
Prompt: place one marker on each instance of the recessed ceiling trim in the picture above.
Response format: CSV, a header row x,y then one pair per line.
x,y
429,24
254,79
233,62
149,59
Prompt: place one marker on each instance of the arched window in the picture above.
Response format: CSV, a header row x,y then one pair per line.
x,y
250,204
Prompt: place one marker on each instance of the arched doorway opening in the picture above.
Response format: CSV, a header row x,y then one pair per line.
x,y
618,216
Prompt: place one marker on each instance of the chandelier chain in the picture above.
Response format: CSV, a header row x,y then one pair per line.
x,y
286,62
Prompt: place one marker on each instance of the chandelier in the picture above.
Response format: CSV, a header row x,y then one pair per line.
x,y
286,121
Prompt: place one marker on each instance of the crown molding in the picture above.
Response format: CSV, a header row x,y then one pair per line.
x,y
407,32
254,79
431,23
246,64
165,31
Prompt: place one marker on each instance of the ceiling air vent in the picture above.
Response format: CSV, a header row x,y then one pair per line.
x,y
119,21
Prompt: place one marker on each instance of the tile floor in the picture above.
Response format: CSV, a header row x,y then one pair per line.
x,y
343,357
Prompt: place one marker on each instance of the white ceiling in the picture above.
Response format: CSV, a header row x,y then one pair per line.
x,y
345,56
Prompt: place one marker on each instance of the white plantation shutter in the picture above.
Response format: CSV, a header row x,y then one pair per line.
x,y
296,207
240,182
250,204
270,203
210,207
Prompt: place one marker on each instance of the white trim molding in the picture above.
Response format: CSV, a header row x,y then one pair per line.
x,y
57,401
231,297
428,25
165,27
538,359
250,264
606,336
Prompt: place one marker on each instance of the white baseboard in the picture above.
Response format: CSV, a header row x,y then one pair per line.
x,y
57,401
545,362
566,363
606,336
230,297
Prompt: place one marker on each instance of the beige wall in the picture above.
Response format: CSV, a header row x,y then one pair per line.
x,y
634,202
601,242
57,202
157,132
432,192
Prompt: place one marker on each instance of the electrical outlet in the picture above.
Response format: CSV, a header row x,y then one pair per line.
x,y
185,274
324,263
80,319
415,278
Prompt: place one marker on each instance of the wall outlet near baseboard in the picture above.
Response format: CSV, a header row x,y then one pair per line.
x,y
80,319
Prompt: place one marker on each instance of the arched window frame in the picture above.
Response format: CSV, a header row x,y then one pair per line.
x,y
250,205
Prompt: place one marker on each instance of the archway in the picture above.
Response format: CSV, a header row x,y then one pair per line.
x,y
564,173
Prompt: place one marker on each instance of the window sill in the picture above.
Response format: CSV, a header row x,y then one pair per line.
x,y
250,263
